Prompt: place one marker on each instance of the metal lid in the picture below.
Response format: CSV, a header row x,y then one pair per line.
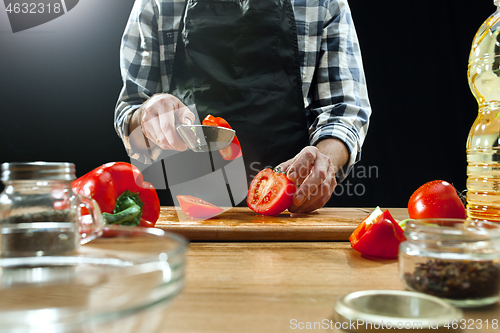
x,y
38,171
393,309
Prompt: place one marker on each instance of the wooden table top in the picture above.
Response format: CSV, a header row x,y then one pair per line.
x,y
275,286
271,287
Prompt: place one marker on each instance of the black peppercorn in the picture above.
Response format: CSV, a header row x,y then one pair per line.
x,y
455,279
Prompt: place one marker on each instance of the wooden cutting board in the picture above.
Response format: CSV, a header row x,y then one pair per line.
x,y
242,224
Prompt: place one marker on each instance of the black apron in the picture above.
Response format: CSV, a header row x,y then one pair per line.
x,y
239,59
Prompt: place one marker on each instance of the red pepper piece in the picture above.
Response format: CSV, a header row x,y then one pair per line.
x,y
379,238
232,151
122,194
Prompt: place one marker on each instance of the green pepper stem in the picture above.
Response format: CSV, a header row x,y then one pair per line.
x,y
125,215
125,201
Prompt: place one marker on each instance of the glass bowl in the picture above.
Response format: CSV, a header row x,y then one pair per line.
x,y
454,259
115,277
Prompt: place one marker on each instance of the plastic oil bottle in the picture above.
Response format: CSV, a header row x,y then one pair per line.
x,y
483,142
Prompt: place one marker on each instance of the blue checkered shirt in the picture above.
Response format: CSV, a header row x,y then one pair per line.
x,y
333,81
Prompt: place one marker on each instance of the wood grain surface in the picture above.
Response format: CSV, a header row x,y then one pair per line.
x,y
267,287
242,224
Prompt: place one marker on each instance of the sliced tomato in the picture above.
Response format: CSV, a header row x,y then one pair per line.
x,y
232,151
270,192
198,208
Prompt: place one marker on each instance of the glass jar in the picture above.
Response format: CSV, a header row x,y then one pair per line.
x,y
39,213
454,259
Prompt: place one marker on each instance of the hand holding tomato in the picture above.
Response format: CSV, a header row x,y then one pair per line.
x,y
315,174
436,199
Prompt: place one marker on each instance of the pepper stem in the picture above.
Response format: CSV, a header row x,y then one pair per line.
x,y
123,216
128,210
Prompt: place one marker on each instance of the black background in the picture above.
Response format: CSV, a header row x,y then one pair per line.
x,y
60,81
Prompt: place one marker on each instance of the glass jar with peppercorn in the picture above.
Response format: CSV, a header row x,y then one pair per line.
x,y
454,259
40,213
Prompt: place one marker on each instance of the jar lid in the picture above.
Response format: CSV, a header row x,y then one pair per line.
x,y
393,309
38,171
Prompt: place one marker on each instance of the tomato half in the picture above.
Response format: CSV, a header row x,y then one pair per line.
x,y
270,192
436,199
232,151
198,208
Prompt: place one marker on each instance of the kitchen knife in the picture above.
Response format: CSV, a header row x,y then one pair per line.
x,y
203,138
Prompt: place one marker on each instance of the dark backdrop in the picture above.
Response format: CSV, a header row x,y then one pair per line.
x,y
60,81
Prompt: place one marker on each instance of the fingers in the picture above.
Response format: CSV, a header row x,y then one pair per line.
x,y
161,113
317,199
284,167
315,174
184,116
302,165
168,136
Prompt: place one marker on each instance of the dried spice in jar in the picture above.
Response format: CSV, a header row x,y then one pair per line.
x,y
40,215
455,279
26,234
455,259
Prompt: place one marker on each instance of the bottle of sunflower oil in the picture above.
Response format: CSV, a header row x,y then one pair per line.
x,y
483,142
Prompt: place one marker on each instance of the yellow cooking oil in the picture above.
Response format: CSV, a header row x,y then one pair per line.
x,y
483,142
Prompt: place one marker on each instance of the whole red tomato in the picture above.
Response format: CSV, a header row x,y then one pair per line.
x,y
270,192
436,199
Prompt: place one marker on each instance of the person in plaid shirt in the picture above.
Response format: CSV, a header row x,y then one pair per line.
x,y
313,107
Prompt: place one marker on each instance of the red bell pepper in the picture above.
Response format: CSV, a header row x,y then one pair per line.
x,y
122,194
379,235
232,151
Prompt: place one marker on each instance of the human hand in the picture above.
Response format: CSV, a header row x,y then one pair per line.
x,y
315,174
159,116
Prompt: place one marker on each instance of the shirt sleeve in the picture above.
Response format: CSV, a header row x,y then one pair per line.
x,y
340,104
140,69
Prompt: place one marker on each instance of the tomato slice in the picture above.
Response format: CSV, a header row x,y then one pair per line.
x,y
232,151
198,208
270,192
